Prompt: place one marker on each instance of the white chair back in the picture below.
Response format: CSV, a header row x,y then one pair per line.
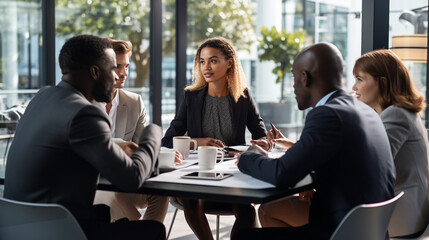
x,y
423,236
366,221
22,220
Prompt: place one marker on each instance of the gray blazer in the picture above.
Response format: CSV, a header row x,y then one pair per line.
x,y
130,116
409,144
62,144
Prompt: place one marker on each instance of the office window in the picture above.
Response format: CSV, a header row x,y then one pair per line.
x,y
231,19
126,20
20,57
408,23
337,22
168,62
206,19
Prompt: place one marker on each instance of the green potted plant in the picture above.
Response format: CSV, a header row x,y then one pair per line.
x,y
281,48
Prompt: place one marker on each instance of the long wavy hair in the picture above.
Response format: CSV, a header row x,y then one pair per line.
x,y
235,76
394,82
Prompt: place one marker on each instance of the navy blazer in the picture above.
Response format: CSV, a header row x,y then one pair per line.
x,y
345,146
189,118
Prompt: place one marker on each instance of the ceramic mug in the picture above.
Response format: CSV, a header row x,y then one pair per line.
x,y
182,144
207,156
166,159
118,140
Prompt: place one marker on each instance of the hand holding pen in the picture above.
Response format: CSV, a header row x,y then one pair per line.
x,y
267,144
275,137
274,133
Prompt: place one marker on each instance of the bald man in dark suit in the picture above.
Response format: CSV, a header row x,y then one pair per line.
x,y
343,144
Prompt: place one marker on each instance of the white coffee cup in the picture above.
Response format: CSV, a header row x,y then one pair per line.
x,y
182,144
207,156
166,159
118,140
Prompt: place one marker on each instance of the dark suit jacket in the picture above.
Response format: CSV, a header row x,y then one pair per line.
x,y
62,143
189,118
344,143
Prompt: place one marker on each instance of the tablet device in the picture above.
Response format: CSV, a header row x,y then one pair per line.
x,y
217,176
235,149
230,149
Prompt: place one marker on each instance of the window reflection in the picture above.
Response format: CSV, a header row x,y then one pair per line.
x,y
334,21
409,18
228,18
20,37
123,19
168,63
238,20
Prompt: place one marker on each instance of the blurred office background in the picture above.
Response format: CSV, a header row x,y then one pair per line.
x,y
166,33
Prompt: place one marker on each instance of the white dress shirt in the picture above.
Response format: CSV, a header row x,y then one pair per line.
x,y
113,111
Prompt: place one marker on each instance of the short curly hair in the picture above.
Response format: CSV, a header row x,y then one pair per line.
x,y
82,51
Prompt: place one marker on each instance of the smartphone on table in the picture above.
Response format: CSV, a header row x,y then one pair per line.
x,y
217,176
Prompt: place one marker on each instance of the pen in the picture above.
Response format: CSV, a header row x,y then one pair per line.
x,y
275,130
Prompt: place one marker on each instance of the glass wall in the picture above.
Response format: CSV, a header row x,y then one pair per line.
x,y
409,22
126,20
20,47
168,62
242,22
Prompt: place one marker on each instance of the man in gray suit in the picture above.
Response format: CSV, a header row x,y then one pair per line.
x,y
63,143
128,117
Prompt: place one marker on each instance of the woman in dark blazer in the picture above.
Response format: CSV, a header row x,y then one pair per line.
x,y
243,113
383,82
215,112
